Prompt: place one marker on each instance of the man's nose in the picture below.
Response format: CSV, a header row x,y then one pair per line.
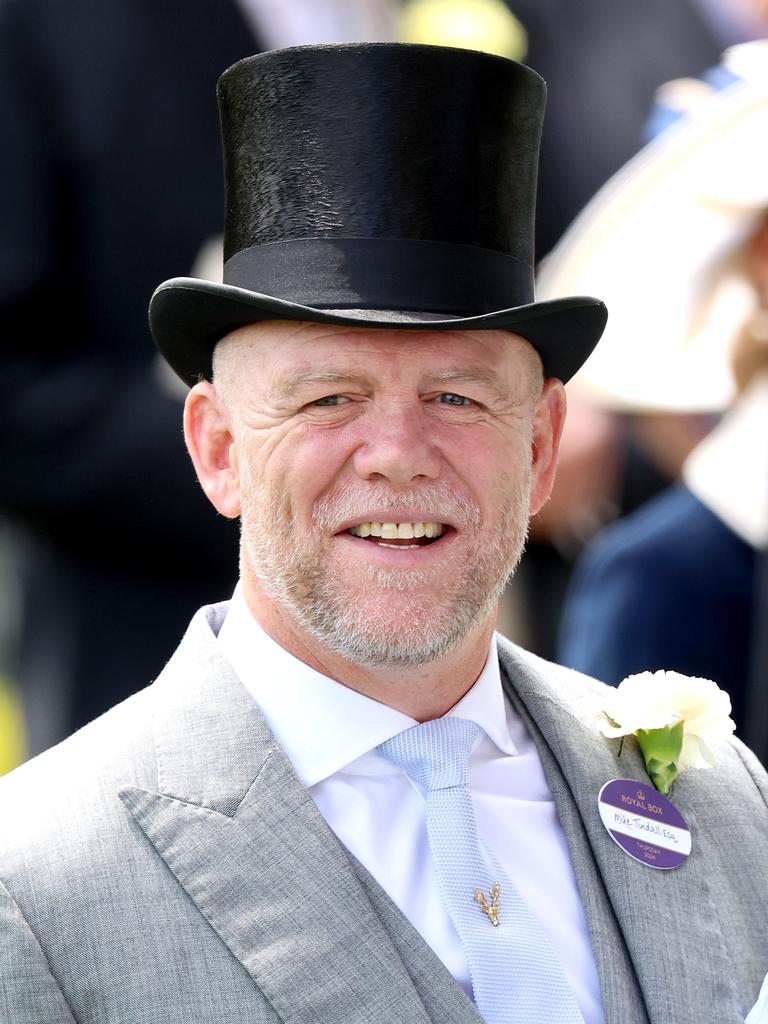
x,y
398,446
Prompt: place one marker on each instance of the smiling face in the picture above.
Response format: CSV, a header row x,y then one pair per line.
x,y
384,479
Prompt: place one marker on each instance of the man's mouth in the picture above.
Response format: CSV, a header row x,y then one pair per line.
x,y
396,535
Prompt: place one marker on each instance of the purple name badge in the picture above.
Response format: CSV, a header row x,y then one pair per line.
x,y
644,823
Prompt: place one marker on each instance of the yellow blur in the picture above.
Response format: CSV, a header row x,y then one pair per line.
x,y
486,25
11,728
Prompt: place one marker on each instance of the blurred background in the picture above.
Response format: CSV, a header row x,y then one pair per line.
x,y
110,182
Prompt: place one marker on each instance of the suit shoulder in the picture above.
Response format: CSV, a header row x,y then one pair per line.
x,y
743,762
514,658
668,531
69,793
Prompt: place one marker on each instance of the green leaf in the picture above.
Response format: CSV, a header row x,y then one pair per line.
x,y
661,751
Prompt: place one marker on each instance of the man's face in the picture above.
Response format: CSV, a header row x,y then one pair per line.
x,y
383,477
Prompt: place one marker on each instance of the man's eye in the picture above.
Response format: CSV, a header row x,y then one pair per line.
x,y
330,400
449,398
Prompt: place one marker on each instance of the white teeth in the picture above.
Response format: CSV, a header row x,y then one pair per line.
x,y
397,531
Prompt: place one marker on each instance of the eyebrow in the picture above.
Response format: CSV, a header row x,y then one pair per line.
x,y
289,386
469,375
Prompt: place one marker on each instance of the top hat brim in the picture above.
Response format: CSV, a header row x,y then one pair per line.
x,y
188,316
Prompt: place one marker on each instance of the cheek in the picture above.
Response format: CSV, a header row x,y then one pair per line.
x,y
302,467
494,467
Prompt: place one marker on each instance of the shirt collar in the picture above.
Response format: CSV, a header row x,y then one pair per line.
x,y
337,726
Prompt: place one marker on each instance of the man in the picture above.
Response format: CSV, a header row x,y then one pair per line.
x,y
376,396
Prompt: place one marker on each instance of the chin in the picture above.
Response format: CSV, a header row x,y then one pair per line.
x,y
395,651
398,632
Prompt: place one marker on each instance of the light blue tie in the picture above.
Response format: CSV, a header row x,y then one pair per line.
x,y
516,975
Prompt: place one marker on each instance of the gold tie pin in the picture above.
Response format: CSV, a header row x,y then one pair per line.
x,y
491,910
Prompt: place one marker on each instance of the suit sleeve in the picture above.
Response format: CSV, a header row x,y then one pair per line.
x,y
29,993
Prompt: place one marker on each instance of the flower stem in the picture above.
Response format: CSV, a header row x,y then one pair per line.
x,y
661,751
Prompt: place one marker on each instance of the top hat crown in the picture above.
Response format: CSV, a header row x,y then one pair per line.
x,y
382,178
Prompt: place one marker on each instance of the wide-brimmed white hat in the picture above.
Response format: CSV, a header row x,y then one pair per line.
x,y
661,243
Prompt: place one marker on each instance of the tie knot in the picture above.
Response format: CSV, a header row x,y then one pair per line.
x,y
434,754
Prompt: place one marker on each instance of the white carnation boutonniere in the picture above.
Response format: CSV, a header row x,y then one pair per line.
x,y
676,719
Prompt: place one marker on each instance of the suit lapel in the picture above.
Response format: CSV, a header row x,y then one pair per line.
x,y
666,921
622,998
245,840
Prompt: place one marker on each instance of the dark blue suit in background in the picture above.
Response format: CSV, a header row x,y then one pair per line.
x,y
669,587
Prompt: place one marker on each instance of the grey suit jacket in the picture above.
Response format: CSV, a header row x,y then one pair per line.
x,y
165,865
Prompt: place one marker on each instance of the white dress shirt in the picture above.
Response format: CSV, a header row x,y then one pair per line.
x,y
759,1012
330,733
728,470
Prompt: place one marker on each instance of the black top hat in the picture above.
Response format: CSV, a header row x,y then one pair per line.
x,y
377,177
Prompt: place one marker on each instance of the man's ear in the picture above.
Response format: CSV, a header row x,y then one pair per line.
x,y
548,420
212,448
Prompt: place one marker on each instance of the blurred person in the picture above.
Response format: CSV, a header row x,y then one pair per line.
x,y
111,179
603,61
282,827
673,585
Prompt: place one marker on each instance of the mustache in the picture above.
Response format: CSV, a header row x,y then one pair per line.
x,y
443,502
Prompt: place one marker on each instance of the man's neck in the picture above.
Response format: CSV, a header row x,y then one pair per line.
x,y
422,691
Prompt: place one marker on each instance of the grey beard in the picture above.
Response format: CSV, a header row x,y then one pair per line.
x,y
319,601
